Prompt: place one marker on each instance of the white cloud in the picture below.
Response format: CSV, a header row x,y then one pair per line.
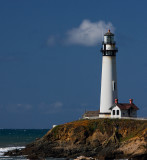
x,y
50,108
51,41
24,106
88,33
56,105
16,108
28,106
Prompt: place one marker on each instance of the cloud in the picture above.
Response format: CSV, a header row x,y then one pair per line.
x,y
25,106
51,40
88,33
50,108
16,108
45,108
56,105
10,58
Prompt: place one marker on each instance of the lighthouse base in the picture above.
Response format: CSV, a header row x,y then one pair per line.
x,y
105,115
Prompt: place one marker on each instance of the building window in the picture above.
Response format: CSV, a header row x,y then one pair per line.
x,y
113,112
117,112
114,85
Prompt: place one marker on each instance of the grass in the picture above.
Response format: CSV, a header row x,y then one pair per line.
x,y
88,127
55,131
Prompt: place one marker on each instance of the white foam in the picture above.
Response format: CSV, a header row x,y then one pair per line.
x,y
6,149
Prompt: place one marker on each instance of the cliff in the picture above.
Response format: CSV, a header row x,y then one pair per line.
x,y
101,138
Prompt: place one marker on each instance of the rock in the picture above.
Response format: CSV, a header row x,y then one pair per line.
x,y
84,158
91,138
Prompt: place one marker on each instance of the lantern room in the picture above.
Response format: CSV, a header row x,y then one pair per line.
x,y
109,48
109,38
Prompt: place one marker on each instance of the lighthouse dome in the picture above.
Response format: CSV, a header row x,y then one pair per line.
x,y
109,33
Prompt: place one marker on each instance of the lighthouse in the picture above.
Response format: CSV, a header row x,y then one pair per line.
x,y
109,75
110,107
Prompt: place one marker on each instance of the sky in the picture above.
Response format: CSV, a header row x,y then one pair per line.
x,y
50,60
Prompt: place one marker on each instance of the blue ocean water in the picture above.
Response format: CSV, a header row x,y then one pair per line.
x,y
17,138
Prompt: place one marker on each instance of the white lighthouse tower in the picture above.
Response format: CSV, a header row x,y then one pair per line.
x,y
109,76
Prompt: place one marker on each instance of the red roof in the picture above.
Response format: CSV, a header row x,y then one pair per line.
x,y
126,106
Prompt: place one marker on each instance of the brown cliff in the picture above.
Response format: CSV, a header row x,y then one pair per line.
x,y
101,138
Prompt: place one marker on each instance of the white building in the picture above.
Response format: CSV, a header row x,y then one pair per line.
x,y
109,106
91,115
119,110
109,76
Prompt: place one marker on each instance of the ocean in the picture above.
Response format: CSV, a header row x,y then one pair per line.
x,y
17,139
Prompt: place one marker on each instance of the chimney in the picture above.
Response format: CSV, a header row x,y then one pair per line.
x,y
116,101
131,101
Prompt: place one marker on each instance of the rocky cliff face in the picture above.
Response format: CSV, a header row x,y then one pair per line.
x,y
101,138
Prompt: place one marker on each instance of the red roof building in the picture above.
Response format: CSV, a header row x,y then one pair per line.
x,y
119,110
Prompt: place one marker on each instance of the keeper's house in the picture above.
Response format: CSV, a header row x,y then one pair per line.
x,y
119,110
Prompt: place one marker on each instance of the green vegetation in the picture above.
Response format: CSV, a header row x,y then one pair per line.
x,y
122,129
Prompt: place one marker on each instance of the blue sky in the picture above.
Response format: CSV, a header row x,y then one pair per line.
x,y
50,60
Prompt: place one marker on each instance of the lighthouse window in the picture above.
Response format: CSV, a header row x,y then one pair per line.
x,y
114,86
113,112
117,112
111,39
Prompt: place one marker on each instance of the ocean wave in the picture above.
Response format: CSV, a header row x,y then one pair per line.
x,y
6,149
